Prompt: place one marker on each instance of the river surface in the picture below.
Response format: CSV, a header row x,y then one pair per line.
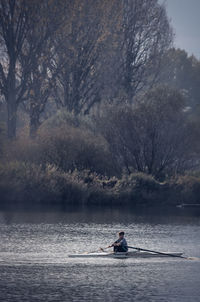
x,y
34,263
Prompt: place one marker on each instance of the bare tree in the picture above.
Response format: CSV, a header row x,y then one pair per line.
x,y
80,52
14,26
100,45
181,71
151,137
146,36
25,28
38,93
37,55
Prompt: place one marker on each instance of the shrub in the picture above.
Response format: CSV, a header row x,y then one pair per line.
x,y
32,183
66,147
22,149
153,136
72,148
138,188
188,188
66,118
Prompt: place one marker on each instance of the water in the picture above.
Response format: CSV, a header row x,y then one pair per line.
x,y
34,265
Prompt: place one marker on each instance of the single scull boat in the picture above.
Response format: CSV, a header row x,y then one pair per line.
x,y
137,254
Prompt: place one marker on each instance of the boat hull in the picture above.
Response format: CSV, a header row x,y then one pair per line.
x,y
123,255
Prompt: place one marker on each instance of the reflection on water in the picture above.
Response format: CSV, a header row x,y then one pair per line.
x,y
105,215
34,265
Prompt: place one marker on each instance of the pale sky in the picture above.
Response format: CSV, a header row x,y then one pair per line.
x,y
185,19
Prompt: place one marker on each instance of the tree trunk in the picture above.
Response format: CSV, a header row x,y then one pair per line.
x,y
34,122
34,125
11,99
12,117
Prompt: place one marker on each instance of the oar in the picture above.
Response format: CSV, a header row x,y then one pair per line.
x,y
104,248
161,253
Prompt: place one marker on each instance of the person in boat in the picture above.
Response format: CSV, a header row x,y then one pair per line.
x,y
120,245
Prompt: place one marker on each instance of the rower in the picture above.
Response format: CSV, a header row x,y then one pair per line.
x,y
120,245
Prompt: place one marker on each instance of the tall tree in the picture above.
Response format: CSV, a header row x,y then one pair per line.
x,y
181,71
153,136
14,26
81,53
39,50
146,36
25,27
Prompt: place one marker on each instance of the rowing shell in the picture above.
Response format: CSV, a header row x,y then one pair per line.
x,y
122,255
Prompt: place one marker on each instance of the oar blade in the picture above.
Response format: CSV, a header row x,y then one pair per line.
x,y
192,258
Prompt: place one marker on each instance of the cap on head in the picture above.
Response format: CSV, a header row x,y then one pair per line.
x,y
121,233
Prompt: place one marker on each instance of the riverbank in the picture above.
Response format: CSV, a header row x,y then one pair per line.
x,y
29,184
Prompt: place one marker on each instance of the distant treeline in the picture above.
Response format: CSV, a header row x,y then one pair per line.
x,y
100,107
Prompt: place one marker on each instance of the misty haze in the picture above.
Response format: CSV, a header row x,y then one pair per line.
x,y
99,135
